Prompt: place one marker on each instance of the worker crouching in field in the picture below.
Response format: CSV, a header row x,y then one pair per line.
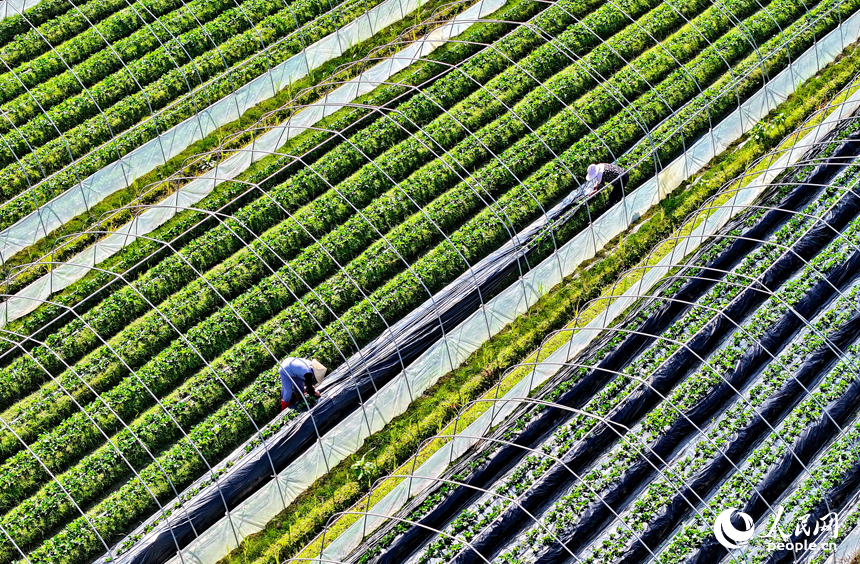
x,y
601,174
297,371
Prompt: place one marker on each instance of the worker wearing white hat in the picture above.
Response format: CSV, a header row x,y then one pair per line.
x,y
297,371
599,175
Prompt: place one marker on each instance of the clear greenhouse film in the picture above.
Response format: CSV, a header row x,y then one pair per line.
x,y
186,197
502,310
121,174
362,241
427,474
15,7
538,480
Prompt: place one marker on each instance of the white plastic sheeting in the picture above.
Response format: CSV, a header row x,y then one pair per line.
x,y
122,173
300,122
448,353
29,298
424,476
13,7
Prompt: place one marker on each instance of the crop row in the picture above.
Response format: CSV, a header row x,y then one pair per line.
x,y
13,25
275,294
50,160
96,129
566,512
70,130
677,131
93,54
738,488
306,515
536,463
204,51
835,467
776,53
145,254
796,426
847,525
53,23
323,214
713,250
217,244
621,131
435,501
743,412
248,356
613,395
277,287
315,263
388,92
109,42
346,159
39,85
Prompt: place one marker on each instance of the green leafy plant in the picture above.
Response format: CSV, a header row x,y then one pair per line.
x,y
364,468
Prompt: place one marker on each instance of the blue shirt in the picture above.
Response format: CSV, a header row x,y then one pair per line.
x,y
293,372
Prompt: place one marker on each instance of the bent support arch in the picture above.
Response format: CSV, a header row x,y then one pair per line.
x,y
347,546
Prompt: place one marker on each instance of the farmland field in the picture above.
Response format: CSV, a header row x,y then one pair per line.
x,y
137,390
732,387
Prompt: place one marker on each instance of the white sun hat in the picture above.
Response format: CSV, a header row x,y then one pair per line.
x,y
319,370
595,172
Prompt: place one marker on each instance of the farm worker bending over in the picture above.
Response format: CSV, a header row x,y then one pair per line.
x,y
294,372
601,174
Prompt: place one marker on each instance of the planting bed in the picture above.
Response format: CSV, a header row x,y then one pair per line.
x,y
167,360
130,89
735,387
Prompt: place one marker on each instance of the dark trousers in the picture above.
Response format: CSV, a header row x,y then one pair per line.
x,y
309,389
309,384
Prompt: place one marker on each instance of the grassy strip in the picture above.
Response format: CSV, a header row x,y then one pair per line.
x,y
557,177
259,391
64,105
244,361
228,329
94,138
432,413
205,247
157,184
566,437
192,476
313,265
169,177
